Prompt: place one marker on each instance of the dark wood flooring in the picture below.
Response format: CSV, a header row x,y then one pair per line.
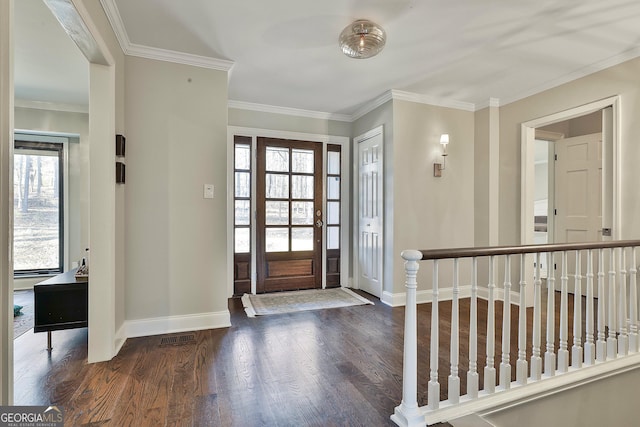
x,y
337,367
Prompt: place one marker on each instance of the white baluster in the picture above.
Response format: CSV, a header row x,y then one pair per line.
x,y
454,380
489,369
473,379
633,304
433,396
576,349
505,365
612,341
563,353
536,360
623,337
550,355
407,413
521,364
601,343
589,346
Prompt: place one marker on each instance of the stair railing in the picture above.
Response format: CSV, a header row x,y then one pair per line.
x,y
610,319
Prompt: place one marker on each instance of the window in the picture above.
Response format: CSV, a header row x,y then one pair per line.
x,y
38,207
242,197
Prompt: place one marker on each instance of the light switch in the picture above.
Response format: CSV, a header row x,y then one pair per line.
x,y
208,191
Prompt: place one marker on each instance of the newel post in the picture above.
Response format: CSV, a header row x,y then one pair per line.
x,y
408,414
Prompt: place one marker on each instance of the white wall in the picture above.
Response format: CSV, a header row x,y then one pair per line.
x,y
175,239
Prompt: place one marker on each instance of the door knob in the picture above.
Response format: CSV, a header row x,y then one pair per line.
x,y
319,223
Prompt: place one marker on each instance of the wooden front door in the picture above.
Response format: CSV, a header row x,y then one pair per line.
x,y
289,215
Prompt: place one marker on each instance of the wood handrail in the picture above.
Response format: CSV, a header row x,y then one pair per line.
x,y
428,254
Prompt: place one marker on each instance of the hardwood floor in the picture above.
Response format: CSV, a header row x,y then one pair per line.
x,y
337,367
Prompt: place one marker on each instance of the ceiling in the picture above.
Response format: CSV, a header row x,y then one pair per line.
x,y
284,53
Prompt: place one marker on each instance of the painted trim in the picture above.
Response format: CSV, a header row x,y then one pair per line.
x,y
526,184
250,106
491,102
446,294
178,57
504,399
51,106
372,105
432,100
355,233
365,109
132,49
173,324
583,72
120,338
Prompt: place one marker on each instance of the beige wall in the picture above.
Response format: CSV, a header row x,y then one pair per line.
x,y
609,401
431,212
618,80
176,142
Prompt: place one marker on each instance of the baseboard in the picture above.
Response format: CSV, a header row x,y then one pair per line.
x,y
120,338
173,324
445,294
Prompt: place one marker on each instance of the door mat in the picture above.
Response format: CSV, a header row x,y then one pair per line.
x,y
290,302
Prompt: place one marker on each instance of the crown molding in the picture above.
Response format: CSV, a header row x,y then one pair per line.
x,y
583,72
370,106
491,102
432,100
178,57
241,105
51,106
132,49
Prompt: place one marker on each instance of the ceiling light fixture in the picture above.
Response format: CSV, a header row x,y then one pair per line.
x,y
362,39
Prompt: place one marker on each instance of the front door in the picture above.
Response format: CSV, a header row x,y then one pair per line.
x,y
289,215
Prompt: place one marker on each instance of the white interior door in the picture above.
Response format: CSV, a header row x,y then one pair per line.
x,y
370,197
578,189
578,196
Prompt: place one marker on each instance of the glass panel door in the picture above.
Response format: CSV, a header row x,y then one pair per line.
x,y
289,215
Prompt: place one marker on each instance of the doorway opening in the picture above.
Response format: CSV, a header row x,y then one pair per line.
x,y
582,200
533,205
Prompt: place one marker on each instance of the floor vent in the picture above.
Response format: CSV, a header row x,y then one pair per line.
x,y
178,340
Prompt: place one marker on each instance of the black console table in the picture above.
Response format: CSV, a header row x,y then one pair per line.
x,y
61,302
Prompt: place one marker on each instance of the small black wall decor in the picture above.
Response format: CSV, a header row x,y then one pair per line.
x,y
120,172
120,143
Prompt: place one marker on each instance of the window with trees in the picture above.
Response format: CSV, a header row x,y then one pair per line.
x,y
38,245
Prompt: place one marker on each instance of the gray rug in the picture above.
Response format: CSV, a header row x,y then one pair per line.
x,y
24,321
289,302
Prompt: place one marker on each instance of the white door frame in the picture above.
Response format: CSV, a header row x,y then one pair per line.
x,y
356,214
527,177
527,163
254,133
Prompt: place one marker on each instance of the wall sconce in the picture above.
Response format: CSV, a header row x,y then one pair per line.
x,y
439,167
